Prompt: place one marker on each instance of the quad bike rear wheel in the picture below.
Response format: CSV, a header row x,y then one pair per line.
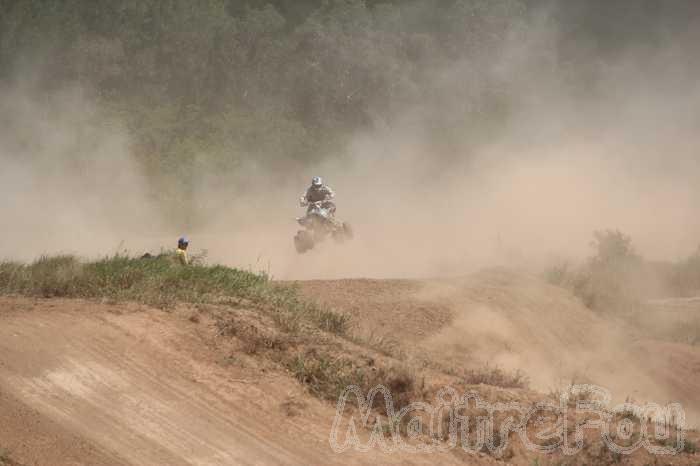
x,y
347,231
343,233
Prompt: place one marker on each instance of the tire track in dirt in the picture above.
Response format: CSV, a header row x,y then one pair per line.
x,y
128,385
147,413
85,383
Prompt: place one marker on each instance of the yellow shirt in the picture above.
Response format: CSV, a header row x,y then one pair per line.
x,y
182,256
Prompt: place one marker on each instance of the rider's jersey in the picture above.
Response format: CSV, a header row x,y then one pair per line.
x,y
324,193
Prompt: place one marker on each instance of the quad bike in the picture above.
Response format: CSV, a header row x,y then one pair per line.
x,y
319,223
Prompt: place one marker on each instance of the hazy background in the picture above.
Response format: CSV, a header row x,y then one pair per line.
x,y
456,134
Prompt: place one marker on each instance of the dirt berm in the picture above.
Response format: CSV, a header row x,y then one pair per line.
x,y
517,322
91,383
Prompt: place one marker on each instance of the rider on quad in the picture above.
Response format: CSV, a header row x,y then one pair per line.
x,y
318,192
320,221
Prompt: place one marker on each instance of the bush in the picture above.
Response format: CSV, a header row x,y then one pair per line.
x,y
327,376
559,274
611,279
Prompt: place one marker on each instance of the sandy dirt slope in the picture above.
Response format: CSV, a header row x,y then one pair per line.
x,y
97,384
517,322
84,383
393,308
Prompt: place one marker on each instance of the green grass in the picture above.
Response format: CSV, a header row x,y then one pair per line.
x,y
318,363
163,282
495,376
327,376
293,311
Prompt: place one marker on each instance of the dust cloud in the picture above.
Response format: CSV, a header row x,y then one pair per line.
x,y
517,323
622,157
429,194
69,183
617,152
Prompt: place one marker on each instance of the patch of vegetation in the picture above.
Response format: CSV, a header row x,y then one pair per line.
x,y
269,320
559,274
608,279
325,376
328,376
382,343
254,339
324,365
685,276
5,459
279,83
162,282
614,279
496,377
292,310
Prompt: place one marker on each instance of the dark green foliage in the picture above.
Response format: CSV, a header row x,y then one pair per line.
x,y
216,82
205,74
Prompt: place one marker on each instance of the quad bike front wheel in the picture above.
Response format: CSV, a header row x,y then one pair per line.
x,y
303,241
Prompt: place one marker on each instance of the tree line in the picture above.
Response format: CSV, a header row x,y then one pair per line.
x,y
285,83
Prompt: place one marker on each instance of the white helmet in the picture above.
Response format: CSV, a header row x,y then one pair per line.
x,y
316,182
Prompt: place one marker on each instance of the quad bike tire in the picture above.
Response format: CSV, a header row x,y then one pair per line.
x,y
303,241
343,233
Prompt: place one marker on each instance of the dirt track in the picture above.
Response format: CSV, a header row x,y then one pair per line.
x,y
97,384
517,322
124,385
83,383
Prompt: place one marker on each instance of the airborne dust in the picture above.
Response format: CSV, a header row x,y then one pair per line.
x,y
617,149
619,153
